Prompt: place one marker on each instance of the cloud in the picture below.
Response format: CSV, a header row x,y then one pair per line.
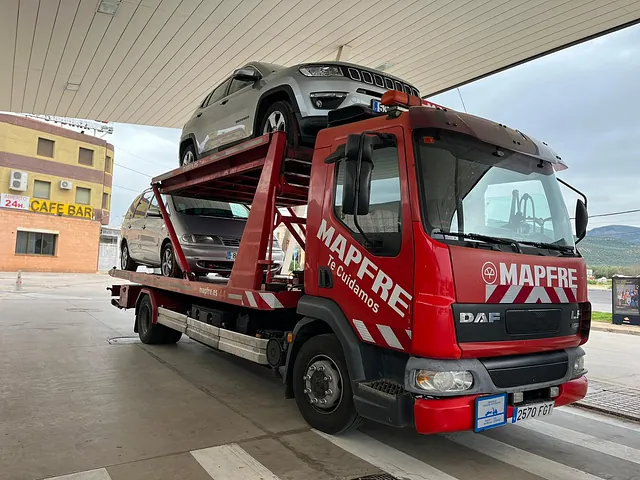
x,y
584,102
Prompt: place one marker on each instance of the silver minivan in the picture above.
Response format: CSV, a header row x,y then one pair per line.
x,y
209,233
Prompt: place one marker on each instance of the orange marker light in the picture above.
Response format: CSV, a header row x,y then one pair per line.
x,y
289,337
395,97
428,140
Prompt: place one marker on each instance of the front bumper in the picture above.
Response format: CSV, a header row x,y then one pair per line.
x,y
213,258
458,413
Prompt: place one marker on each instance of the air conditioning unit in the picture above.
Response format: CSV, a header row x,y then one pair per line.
x,y
65,185
18,181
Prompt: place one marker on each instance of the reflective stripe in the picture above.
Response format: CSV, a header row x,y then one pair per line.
x,y
363,331
390,337
252,301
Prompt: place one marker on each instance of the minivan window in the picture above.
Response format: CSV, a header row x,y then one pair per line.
x,y
209,208
142,207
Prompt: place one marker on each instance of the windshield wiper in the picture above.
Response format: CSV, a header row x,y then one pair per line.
x,y
549,246
483,238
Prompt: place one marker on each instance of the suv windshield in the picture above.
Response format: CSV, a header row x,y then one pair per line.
x,y
472,187
209,208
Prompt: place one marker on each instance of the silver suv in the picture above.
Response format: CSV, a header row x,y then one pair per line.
x,y
209,233
261,97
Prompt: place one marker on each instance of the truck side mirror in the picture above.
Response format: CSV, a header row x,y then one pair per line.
x,y
582,220
358,165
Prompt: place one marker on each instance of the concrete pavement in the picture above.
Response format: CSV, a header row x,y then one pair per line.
x,y
600,299
72,402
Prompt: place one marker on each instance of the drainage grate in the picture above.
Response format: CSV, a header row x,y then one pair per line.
x,y
83,310
385,386
123,340
377,476
612,399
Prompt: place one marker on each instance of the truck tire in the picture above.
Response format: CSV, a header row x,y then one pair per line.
x,y
322,387
150,333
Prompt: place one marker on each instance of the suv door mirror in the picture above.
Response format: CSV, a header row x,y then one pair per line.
x,y
358,166
247,74
582,220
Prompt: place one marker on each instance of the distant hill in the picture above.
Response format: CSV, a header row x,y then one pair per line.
x,y
620,232
612,245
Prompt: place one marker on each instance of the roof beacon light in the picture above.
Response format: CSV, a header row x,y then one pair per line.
x,y
400,99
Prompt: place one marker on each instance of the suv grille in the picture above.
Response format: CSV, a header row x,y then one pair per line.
x,y
230,241
381,81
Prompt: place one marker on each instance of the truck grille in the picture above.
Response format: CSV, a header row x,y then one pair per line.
x,y
515,371
522,322
381,81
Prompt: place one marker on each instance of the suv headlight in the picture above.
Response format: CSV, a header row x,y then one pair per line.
x,y
321,71
452,381
202,239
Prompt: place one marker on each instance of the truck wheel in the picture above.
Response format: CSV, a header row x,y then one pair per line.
x,y
126,262
150,333
322,387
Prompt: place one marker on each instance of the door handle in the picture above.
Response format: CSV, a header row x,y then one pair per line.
x,y
223,102
199,115
144,226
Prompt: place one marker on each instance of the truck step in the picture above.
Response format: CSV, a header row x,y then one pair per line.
x,y
385,386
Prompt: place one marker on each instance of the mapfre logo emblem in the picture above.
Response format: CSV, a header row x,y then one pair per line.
x,y
489,273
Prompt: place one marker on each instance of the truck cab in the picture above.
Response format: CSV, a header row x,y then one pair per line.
x,y
443,241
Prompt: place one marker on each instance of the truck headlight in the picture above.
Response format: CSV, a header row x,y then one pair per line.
x,y
321,71
453,381
578,366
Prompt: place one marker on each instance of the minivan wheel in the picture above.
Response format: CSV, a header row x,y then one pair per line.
x,y
188,155
168,264
279,118
126,262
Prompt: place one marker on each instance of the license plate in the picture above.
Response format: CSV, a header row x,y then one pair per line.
x,y
376,106
535,410
491,412
231,255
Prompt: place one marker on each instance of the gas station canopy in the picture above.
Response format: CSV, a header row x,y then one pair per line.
x,y
151,61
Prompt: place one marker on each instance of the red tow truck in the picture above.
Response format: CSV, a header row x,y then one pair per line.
x,y
441,286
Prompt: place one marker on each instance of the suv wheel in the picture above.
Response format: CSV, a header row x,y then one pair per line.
x,y
188,155
279,117
126,262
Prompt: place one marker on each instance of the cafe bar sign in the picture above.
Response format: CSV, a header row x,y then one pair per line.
x,y
22,202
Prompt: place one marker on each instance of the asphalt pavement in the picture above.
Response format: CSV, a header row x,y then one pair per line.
x,y
600,300
83,399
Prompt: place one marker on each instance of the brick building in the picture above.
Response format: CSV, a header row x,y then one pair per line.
x,y
55,193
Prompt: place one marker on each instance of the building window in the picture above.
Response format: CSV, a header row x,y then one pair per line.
x,y
85,157
41,189
45,147
36,243
105,201
83,195
108,164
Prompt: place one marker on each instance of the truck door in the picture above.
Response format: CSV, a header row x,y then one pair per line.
x,y
371,274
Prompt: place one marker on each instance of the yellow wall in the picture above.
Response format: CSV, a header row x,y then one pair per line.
x,y
24,141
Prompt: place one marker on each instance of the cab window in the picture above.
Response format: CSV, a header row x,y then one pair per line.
x,y
383,224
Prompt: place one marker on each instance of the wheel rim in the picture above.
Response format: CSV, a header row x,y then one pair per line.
x,y
144,319
323,384
276,122
124,258
167,262
188,158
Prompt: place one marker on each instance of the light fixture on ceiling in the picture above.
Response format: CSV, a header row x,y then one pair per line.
x,y
73,86
108,7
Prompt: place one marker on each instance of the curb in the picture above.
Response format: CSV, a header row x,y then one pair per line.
x,y
611,329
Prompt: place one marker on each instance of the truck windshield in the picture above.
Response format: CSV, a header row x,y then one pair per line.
x,y
209,208
472,187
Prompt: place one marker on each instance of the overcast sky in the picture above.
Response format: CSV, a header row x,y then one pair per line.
x,y
582,101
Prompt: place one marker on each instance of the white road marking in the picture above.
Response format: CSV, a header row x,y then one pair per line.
x,y
386,458
600,417
231,462
583,440
99,474
526,461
